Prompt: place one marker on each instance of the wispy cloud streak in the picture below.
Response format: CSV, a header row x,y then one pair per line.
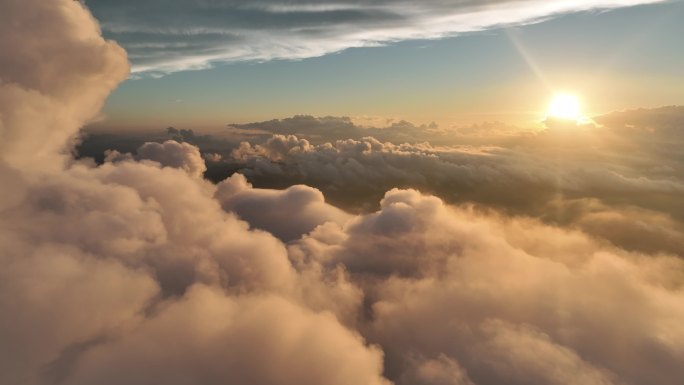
x,y
169,36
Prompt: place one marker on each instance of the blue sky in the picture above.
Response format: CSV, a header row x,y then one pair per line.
x,y
622,58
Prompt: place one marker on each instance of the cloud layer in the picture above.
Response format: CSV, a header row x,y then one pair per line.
x,y
138,271
167,36
498,300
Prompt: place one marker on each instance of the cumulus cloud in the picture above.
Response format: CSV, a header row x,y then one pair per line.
x,y
55,297
500,300
258,340
438,371
55,75
173,154
100,260
178,35
287,214
619,179
519,177
331,128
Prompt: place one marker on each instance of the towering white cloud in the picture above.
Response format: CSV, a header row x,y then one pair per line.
x,y
55,73
103,263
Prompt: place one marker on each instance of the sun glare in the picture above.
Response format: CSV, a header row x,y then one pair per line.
x,y
566,107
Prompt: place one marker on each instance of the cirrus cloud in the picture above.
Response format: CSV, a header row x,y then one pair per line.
x,y
168,36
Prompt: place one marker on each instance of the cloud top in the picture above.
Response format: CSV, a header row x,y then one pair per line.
x,y
55,73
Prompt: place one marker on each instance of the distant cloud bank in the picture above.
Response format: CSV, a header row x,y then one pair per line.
x,y
168,36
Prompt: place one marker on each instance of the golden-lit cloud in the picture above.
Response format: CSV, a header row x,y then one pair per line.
x,y
138,271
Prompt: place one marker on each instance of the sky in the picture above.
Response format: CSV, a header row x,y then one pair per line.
x,y
352,218
612,59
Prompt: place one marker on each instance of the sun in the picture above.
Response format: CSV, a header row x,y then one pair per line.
x,y
566,107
